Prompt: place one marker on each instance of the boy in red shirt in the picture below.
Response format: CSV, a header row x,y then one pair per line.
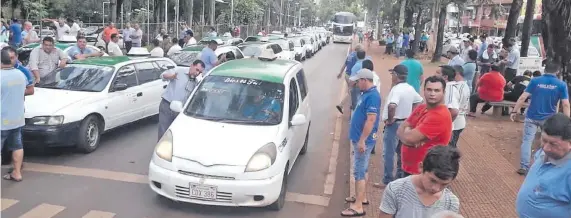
x,y
430,124
490,88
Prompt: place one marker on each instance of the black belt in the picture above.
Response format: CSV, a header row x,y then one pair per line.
x,y
398,120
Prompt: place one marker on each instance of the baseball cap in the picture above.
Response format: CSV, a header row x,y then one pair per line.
x,y
362,74
399,70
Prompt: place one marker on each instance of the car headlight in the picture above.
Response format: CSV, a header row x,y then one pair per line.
x,y
46,120
263,159
164,146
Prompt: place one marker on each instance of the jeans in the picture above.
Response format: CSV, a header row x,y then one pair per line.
x,y
166,117
355,93
361,160
529,130
474,100
12,139
455,137
398,52
400,172
390,144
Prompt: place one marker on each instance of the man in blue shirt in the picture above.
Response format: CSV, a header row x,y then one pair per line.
x,y
405,41
208,56
545,92
363,137
262,109
15,34
81,51
350,62
415,70
13,85
546,190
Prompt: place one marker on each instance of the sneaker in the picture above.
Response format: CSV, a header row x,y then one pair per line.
x,y
522,171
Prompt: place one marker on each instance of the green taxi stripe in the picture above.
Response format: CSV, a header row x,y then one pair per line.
x,y
103,61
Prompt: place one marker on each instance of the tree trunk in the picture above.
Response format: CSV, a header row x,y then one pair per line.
x,y
526,32
556,20
417,29
401,14
434,25
511,26
113,11
409,15
440,36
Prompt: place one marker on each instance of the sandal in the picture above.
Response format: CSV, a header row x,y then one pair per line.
x,y
352,213
352,200
11,178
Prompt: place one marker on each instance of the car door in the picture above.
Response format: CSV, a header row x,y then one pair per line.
x,y
237,53
293,136
304,107
122,103
278,51
151,86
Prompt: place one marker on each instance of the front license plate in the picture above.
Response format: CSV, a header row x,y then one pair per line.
x,y
202,191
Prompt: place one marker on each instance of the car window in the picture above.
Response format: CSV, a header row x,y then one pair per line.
x,y
277,48
293,98
230,55
291,45
302,83
126,75
237,53
147,72
163,65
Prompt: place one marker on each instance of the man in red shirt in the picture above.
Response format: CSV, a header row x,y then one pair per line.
x,y
108,31
490,88
429,125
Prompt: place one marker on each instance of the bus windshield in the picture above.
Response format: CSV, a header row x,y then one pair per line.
x,y
342,30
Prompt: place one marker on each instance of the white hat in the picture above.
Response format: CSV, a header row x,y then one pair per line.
x,y
362,74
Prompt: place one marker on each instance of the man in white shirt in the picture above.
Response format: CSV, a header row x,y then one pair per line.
x,y
457,98
113,48
136,36
61,27
74,29
157,51
189,39
400,103
30,35
127,37
175,47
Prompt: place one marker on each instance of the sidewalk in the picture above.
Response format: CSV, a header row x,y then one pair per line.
x,y
487,184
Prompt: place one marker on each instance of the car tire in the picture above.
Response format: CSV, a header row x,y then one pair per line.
x,y
89,134
280,202
306,142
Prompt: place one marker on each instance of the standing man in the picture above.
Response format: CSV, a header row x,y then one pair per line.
x,y
113,48
454,56
136,36
348,66
398,45
401,100
209,58
429,125
74,27
61,27
13,89
545,92
407,197
469,68
546,190
46,59
189,39
484,44
363,137
415,70
127,37
80,51
511,62
109,31
15,34
30,36
457,98
181,84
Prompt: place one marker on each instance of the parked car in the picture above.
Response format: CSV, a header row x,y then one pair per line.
x,y
224,40
288,48
74,105
187,55
24,52
255,49
248,161
299,48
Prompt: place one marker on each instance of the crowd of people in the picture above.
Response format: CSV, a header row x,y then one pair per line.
x,y
421,131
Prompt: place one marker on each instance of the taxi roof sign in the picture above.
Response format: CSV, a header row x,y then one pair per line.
x,y
139,52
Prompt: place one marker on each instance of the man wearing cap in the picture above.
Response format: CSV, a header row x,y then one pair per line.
x,y
208,56
454,56
363,136
402,99
468,46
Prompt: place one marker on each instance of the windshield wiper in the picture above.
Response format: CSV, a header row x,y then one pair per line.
x,y
84,90
50,87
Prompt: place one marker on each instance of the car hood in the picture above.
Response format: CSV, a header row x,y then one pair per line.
x,y
214,143
46,102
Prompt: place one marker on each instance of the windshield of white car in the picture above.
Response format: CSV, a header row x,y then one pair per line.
x,y
184,58
78,77
252,50
237,100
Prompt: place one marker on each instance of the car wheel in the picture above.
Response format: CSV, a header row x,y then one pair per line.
x,y
89,134
304,148
280,202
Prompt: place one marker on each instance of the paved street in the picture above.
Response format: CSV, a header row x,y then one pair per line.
x,y
112,181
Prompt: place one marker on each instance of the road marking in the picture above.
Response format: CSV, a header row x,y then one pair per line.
x,y
98,214
6,203
307,199
43,211
143,179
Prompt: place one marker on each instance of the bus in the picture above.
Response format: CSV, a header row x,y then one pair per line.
x,y
343,27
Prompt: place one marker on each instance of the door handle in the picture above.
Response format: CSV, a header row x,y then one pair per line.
x,y
139,94
165,86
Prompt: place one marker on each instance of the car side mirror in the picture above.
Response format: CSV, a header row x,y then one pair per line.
x,y
176,106
298,119
120,87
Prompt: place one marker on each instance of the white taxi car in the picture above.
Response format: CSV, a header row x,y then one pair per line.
x,y
238,136
74,105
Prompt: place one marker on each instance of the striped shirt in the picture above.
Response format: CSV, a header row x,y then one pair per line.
x,y
457,96
401,200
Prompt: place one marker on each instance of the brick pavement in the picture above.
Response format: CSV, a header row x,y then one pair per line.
x,y
487,184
